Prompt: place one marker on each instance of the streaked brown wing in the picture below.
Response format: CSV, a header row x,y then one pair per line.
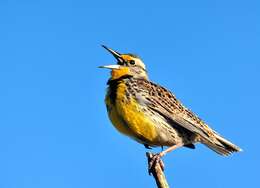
x,y
163,102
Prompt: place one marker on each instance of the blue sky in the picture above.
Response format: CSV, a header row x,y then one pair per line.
x,y
54,130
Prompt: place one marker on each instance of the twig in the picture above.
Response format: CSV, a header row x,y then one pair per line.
x,y
157,172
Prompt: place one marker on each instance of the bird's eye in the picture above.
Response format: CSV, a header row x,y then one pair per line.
x,y
132,62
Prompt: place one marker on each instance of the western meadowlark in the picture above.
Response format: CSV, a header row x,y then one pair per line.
x,y
151,115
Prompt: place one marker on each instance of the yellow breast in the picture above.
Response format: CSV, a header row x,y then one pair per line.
x,y
128,118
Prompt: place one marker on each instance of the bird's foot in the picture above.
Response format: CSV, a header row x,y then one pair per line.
x,y
156,159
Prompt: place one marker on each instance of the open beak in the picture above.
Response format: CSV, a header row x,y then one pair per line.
x,y
116,55
110,66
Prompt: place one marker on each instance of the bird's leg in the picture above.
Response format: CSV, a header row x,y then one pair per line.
x,y
157,157
169,149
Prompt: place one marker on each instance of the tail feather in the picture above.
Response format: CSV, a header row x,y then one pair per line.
x,y
222,146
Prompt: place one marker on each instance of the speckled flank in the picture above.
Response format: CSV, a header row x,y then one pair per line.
x,y
152,115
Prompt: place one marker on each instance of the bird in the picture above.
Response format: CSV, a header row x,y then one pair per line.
x,y
151,114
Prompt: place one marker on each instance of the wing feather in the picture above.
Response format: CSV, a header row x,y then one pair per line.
x,y
163,102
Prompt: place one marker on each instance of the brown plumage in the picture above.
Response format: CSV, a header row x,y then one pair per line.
x,y
152,115
163,103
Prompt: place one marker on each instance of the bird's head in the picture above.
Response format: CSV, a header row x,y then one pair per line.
x,y
127,65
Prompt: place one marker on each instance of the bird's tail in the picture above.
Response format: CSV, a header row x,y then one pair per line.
x,y
221,146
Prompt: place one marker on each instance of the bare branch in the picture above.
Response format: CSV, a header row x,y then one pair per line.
x,y
157,172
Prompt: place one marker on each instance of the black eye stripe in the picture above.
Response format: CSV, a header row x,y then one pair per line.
x,y
120,63
132,62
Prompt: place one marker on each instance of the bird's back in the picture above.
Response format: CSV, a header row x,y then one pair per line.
x,y
133,117
163,102
152,115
